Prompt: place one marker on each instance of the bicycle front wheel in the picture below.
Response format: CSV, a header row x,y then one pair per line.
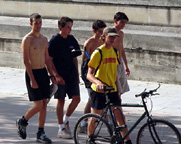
x,y
163,131
96,131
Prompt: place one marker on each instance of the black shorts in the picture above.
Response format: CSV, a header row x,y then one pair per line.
x,y
43,81
71,89
98,100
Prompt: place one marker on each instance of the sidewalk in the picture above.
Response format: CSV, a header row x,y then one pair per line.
x,y
14,103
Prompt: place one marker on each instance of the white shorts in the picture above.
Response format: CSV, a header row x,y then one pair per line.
x,y
122,83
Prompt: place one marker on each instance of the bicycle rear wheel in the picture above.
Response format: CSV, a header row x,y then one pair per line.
x,y
167,133
101,131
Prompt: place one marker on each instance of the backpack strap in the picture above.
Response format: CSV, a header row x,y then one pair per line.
x,y
86,53
100,51
116,55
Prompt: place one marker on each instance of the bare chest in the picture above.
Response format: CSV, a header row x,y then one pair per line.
x,y
94,46
37,47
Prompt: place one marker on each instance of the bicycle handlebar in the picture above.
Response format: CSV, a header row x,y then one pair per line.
x,y
107,88
146,94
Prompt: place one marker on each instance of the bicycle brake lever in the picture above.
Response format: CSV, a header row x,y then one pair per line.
x,y
156,94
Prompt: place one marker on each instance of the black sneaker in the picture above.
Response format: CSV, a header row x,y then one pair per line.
x,y
90,142
21,124
128,142
42,138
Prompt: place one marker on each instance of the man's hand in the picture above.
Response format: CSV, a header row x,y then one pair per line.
x,y
59,80
53,80
34,84
100,86
127,71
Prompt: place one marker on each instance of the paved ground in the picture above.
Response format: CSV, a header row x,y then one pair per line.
x,y
14,103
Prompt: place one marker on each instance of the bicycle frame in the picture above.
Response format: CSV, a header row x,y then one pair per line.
x,y
117,128
126,105
105,129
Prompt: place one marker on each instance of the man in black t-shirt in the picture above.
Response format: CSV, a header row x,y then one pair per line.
x,y
64,49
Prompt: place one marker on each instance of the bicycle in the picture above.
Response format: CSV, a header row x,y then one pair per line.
x,y
154,131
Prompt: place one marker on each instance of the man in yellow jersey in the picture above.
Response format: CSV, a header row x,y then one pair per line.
x,y
105,75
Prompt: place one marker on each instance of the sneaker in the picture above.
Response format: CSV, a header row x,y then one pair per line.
x,y
53,90
42,138
128,142
90,142
83,129
62,133
67,127
21,124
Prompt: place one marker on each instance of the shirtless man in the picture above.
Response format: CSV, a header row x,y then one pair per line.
x,y
94,42
36,58
89,46
120,20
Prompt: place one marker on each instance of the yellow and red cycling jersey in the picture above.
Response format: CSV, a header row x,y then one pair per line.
x,y
107,70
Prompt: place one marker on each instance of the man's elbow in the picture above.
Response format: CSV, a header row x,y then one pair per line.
x,y
48,60
88,76
26,62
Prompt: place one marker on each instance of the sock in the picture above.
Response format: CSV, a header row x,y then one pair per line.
x,y
61,126
65,119
24,120
41,130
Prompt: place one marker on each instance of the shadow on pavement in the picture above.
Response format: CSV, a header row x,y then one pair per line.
x,y
13,107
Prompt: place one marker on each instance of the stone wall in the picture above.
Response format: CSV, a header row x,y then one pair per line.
x,y
152,37
139,12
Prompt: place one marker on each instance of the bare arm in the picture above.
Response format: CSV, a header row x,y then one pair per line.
x,y
122,53
26,58
87,47
91,78
84,55
76,65
51,68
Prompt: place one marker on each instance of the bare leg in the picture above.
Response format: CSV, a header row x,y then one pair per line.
x,y
91,125
59,109
87,108
42,115
72,106
37,107
121,121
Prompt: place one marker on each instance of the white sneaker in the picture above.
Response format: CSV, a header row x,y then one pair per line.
x,y
67,127
53,90
62,133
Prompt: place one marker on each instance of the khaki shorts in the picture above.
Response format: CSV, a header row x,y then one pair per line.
x,y
122,83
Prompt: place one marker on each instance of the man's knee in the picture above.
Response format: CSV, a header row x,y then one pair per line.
x,y
39,105
60,102
76,99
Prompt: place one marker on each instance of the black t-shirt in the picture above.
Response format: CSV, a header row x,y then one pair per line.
x,y
63,50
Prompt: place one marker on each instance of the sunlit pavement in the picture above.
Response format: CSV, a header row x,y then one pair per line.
x,y
14,103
